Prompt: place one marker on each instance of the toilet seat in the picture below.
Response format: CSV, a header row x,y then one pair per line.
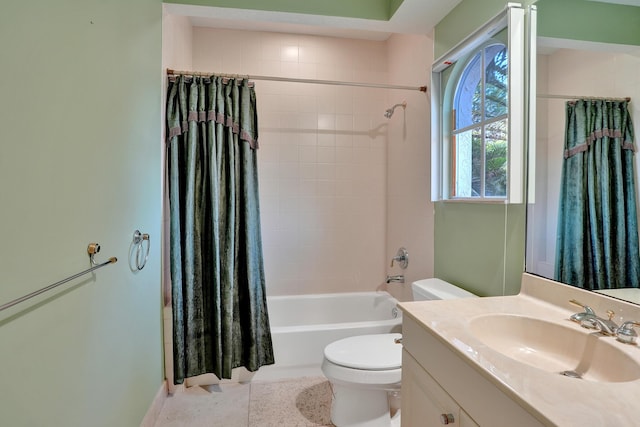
x,y
377,352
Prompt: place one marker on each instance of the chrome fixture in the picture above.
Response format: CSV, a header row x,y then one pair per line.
x,y
605,326
402,256
92,250
626,334
395,279
577,317
588,319
173,73
141,256
389,112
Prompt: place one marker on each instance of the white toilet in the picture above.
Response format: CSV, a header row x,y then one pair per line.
x,y
364,369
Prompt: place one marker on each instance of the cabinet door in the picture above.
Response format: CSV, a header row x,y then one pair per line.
x,y
424,402
466,420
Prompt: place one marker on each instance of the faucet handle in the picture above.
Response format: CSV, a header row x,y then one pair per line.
x,y
626,334
585,307
588,312
402,256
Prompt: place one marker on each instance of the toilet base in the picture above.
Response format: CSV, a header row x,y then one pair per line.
x,y
359,407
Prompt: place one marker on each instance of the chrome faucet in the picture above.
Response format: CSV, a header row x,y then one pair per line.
x,y
395,279
577,317
626,334
588,319
605,326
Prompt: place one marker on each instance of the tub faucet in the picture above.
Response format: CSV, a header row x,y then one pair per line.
x,y
395,279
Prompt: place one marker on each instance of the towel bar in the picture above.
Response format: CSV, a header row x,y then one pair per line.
x,y
10,304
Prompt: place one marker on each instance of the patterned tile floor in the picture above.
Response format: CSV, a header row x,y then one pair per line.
x,y
300,402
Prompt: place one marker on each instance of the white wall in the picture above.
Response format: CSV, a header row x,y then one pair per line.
x,y
337,199
537,260
176,42
409,209
322,158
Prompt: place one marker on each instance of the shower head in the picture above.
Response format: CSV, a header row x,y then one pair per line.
x,y
390,111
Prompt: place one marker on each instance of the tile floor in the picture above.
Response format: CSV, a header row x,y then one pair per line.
x,y
299,402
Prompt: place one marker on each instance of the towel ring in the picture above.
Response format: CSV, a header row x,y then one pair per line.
x,y
141,255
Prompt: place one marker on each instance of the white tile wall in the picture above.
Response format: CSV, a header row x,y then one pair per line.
x,y
322,158
410,218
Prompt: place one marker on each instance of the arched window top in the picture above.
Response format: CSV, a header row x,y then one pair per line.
x,y
482,90
478,115
479,129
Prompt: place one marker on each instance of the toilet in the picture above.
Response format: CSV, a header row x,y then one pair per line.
x,y
365,370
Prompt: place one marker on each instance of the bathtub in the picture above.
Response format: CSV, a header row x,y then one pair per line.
x,y
302,325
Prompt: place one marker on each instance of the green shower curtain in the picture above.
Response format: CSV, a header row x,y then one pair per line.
x,y
597,242
220,318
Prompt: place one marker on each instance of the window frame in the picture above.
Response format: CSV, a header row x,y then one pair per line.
x,y
457,78
511,18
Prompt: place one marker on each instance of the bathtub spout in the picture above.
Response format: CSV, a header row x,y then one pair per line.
x,y
395,279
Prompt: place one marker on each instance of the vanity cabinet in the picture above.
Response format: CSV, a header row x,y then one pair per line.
x,y
437,381
424,402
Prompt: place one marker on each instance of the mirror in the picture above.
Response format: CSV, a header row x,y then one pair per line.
x,y
576,59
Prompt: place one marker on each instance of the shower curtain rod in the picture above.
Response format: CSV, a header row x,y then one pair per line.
x,y
295,80
581,97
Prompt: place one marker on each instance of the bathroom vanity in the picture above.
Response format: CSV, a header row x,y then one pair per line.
x,y
515,360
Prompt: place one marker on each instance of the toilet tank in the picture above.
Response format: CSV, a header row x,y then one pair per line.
x,y
435,289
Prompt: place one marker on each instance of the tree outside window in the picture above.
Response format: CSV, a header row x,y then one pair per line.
x,y
480,126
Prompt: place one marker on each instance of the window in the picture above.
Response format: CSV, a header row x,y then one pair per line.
x,y
479,135
478,115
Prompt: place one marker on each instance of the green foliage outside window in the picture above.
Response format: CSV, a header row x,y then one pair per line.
x,y
487,119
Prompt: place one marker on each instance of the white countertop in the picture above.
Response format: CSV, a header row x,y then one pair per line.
x,y
552,398
627,294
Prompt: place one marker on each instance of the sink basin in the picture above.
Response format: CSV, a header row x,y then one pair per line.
x,y
557,348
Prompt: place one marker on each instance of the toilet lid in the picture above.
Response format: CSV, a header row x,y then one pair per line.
x,y
371,352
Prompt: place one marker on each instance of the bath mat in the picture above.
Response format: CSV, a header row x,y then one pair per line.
x,y
302,402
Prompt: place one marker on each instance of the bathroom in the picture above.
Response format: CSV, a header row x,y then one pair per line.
x,y
82,162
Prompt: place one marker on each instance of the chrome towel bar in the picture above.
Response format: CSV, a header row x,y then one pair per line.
x,y
10,304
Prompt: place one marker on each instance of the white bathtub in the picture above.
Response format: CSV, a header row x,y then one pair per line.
x,y
302,325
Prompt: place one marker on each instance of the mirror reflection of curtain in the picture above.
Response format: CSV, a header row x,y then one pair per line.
x,y
220,318
597,245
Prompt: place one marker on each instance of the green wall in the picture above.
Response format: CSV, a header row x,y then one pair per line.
x,y
589,20
479,247
462,21
465,18
381,10
80,162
